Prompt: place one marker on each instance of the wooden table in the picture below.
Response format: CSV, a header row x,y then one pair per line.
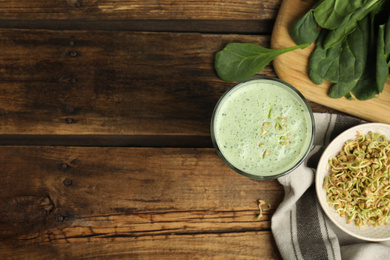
x,y
105,149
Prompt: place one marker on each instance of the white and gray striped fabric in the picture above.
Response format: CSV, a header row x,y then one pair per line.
x,y
301,229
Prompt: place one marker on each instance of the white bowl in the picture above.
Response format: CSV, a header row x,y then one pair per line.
x,y
369,233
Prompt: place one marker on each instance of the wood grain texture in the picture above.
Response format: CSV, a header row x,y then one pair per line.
x,y
139,9
76,73
246,245
110,83
78,202
259,27
292,67
102,82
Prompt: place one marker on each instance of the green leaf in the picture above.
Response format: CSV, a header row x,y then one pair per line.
x,y
305,29
344,62
354,53
387,39
239,61
315,77
350,22
366,88
352,50
332,14
382,70
372,81
318,55
340,90
329,67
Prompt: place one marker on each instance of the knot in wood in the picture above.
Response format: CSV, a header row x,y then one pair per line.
x,y
60,218
70,120
73,53
73,80
67,182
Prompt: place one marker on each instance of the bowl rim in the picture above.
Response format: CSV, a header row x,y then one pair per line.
x,y
319,180
299,95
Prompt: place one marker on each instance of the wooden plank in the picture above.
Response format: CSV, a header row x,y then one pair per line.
x,y
110,83
139,9
177,25
84,83
248,245
87,202
109,140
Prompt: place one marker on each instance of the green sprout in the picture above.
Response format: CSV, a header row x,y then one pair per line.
x,y
269,114
358,186
261,204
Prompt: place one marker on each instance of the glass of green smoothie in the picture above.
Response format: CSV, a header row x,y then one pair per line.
x,y
262,128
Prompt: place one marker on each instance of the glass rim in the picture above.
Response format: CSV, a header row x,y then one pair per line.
x,y
261,177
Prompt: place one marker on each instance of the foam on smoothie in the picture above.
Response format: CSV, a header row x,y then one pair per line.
x,y
262,127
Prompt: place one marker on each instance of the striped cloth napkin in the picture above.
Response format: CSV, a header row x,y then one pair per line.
x,y
300,227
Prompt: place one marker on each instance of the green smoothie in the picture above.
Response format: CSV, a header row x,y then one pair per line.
x,y
262,127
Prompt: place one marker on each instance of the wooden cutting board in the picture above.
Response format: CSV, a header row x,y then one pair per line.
x,y
292,68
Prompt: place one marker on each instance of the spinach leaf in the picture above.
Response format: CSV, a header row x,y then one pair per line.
x,y
344,62
350,22
340,90
331,14
239,61
354,53
328,68
315,77
382,70
318,55
353,47
387,40
306,29
371,83
366,86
